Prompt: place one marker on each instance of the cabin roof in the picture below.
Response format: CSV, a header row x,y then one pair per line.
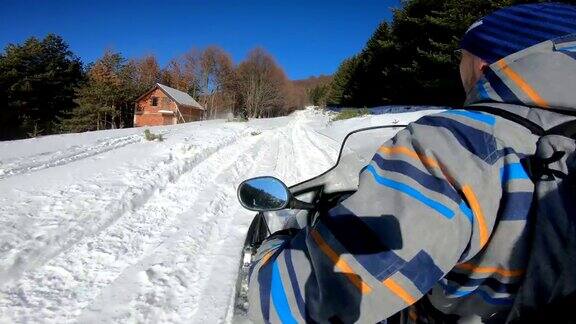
x,y
180,97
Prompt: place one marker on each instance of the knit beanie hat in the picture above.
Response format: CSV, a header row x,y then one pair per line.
x,y
515,28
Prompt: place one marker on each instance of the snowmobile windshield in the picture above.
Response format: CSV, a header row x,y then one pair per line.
x,y
356,152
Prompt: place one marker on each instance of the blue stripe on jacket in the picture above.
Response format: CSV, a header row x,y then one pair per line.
x,y
569,49
475,115
466,211
455,292
426,180
408,190
482,93
279,298
513,171
494,284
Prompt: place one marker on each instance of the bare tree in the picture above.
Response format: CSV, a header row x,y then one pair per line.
x,y
189,66
215,72
147,70
176,75
262,85
258,86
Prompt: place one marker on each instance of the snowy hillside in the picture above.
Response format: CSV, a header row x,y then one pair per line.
x,y
108,227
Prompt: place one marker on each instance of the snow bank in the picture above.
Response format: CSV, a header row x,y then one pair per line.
x,y
337,130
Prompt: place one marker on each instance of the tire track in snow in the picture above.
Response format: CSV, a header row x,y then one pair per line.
x,y
59,158
176,266
193,275
231,232
320,159
95,262
330,148
231,238
156,178
311,160
283,169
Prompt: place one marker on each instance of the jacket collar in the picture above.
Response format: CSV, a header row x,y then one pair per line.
x,y
542,76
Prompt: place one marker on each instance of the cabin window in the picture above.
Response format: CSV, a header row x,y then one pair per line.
x,y
154,101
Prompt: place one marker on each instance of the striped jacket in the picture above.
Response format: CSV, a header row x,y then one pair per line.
x,y
442,211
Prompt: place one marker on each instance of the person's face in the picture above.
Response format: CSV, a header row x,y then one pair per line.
x,y
471,69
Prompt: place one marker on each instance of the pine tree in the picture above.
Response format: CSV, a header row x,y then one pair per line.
x,y
37,81
374,85
343,83
106,100
318,94
409,61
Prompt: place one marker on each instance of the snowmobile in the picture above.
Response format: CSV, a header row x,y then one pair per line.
x,y
281,207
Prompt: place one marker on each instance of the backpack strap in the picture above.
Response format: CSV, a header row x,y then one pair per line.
x,y
567,129
530,125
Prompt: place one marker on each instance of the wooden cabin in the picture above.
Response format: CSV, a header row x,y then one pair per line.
x,y
163,105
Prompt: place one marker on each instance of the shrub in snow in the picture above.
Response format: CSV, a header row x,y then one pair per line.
x,y
351,113
237,119
256,133
149,136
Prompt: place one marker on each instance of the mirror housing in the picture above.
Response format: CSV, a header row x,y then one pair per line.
x,y
264,194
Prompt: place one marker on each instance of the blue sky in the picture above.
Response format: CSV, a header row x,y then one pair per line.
x,y
306,37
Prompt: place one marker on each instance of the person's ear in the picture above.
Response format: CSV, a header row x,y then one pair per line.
x,y
480,65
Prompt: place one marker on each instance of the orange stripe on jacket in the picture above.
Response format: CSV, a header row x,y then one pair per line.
x,y
267,256
476,269
340,263
522,84
478,215
426,160
399,291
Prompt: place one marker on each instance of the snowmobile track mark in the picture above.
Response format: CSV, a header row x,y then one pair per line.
x,y
62,158
201,225
131,200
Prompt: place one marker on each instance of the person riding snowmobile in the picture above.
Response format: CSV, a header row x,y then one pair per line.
x,y
440,226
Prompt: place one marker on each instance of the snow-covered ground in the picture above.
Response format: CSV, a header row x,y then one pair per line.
x,y
108,227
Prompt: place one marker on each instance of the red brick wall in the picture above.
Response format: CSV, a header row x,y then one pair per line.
x,y
191,114
152,120
164,102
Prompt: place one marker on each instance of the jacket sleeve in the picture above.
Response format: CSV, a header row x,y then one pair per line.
x,y
427,201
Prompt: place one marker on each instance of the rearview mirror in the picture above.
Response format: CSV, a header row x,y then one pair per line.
x,y
263,194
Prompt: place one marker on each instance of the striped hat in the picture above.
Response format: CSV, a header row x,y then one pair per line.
x,y
515,28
